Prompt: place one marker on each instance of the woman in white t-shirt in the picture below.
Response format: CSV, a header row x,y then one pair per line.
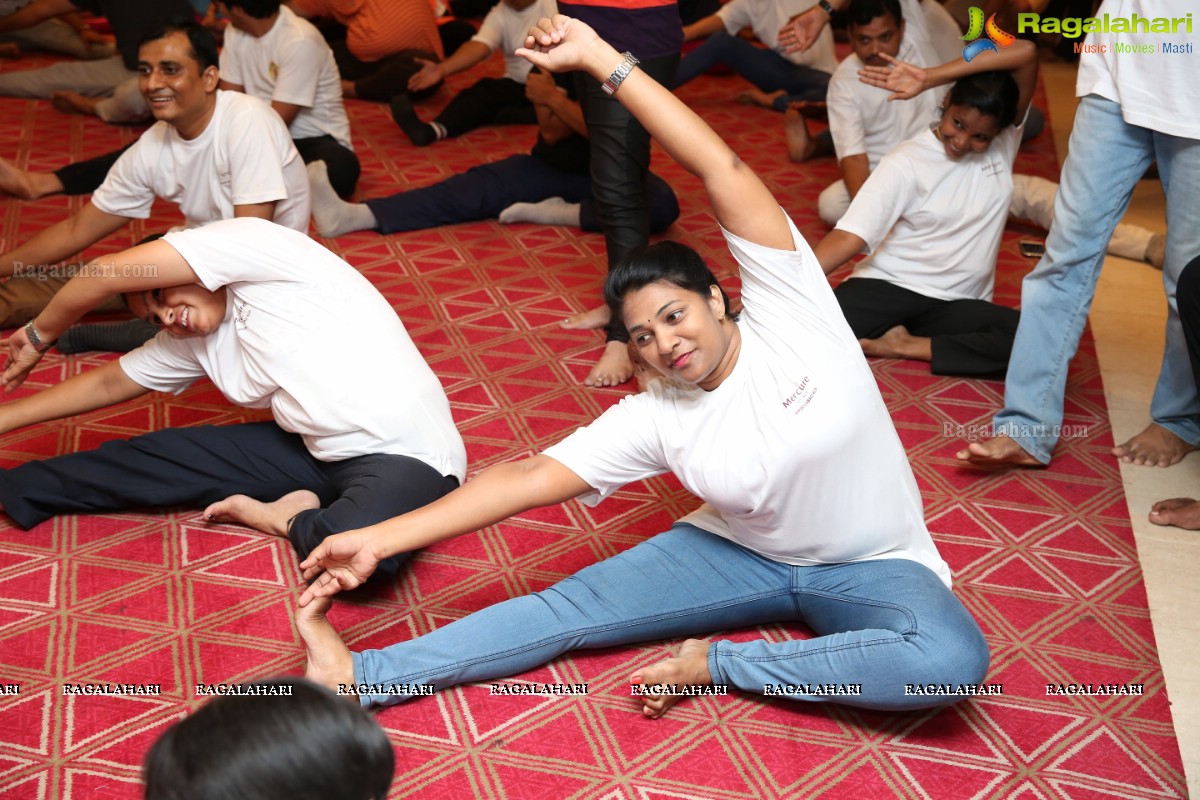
x,y
775,420
931,216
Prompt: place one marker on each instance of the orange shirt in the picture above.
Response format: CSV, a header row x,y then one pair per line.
x,y
379,28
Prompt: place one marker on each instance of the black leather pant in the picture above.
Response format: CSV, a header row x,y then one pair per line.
x,y
620,164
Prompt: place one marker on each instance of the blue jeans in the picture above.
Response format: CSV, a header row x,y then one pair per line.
x,y
766,69
881,624
1107,158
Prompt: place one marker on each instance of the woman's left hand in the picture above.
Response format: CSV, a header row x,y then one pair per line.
x,y
902,79
22,358
560,44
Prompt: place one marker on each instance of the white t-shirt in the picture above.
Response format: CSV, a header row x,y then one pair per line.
x,y
932,224
1156,90
861,118
505,29
794,453
244,156
931,28
766,17
290,63
310,338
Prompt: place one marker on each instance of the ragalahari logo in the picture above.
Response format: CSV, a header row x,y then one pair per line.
x,y
995,39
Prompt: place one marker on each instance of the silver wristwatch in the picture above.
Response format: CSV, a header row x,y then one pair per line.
x,y
35,338
628,62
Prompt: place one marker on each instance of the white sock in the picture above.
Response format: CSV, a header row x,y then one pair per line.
x,y
552,211
333,215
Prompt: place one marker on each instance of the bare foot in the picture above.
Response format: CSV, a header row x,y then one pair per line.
x,y
613,368
587,321
897,342
1154,447
74,103
757,97
1182,512
329,661
999,450
25,184
265,517
800,145
1156,250
689,668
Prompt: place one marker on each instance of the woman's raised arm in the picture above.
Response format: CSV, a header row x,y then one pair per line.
x,y
741,202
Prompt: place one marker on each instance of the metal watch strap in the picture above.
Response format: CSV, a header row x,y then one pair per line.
x,y
628,62
35,338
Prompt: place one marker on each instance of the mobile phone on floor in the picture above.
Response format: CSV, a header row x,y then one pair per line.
x,y
1031,249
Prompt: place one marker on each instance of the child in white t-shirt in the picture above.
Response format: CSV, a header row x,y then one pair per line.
x,y
931,216
774,419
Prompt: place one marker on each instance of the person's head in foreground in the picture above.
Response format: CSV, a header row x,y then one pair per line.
x,y
976,110
678,316
309,745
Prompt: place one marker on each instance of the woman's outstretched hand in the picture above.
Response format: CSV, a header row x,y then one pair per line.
x,y
342,561
904,80
559,44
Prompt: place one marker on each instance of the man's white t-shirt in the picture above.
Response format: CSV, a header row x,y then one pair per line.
x,y
1157,89
504,29
291,63
310,338
862,121
933,224
244,156
766,17
794,454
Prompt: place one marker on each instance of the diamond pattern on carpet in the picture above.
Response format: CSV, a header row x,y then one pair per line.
x,y
1045,560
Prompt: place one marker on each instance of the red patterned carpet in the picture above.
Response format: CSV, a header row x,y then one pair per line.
x,y
1045,560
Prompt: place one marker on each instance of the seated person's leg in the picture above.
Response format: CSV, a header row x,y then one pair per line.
x,y
481,192
172,467
370,489
968,337
833,202
380,83
91,78
712,51
680,582
341,164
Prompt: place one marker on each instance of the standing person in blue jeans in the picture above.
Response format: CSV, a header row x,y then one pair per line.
x,y
1147,109
774,419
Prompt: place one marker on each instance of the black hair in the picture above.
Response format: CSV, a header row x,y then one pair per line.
x,y
993,93
863,12
204,46
663,261
259,9
309,745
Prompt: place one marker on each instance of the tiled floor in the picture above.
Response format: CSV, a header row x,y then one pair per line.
x,y
1127,324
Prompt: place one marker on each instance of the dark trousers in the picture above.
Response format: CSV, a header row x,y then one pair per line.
x,y
1187,299
766,69
969,337
196,466
84,177
620,162
380,80
484,191
340,160
488,101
